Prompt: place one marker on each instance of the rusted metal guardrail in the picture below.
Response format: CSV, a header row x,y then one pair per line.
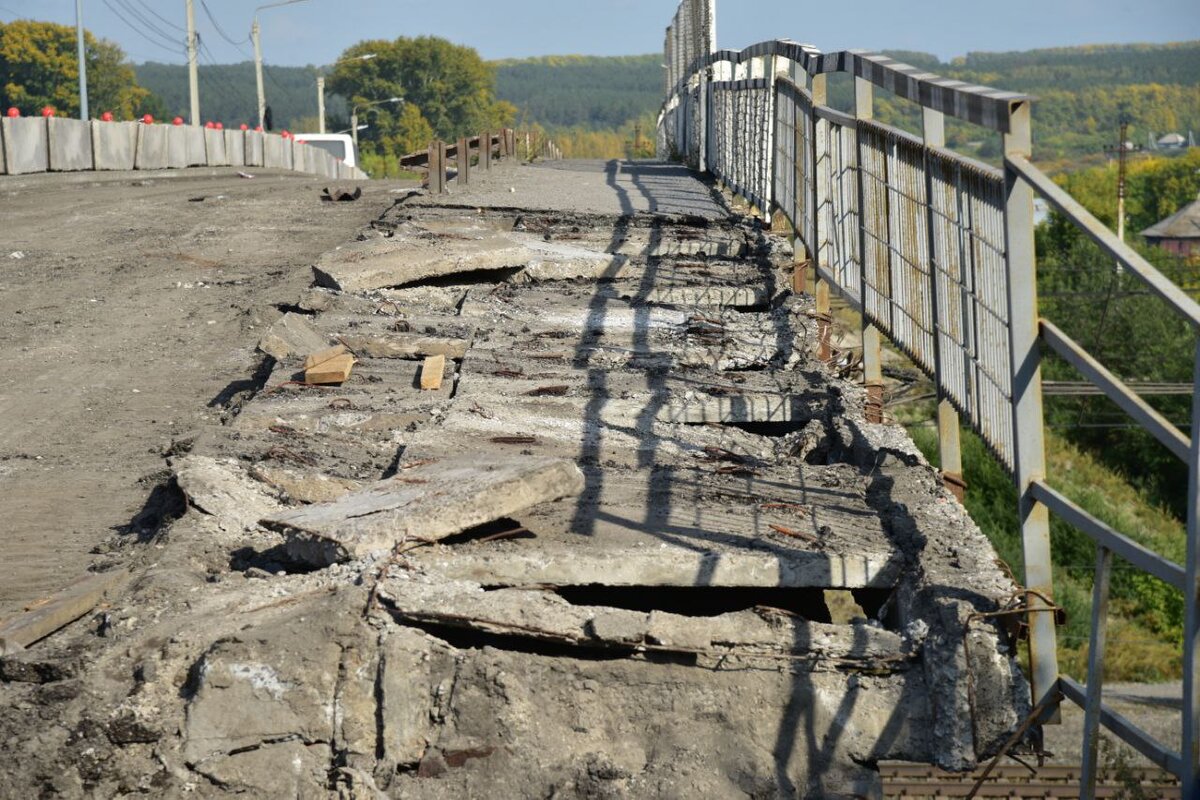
x,y
478,152
936,251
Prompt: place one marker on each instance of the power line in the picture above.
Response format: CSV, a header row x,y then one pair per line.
x,y
173,46
220,31
147,23
164,20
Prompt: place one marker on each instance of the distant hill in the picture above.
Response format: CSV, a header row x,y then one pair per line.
x,y
228,93
582,91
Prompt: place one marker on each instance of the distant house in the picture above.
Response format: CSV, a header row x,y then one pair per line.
x,y
1172,141
1179,233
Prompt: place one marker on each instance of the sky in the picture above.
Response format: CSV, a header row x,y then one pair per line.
x,y
316,31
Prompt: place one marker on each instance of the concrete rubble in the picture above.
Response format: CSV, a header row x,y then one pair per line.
x,y
638,544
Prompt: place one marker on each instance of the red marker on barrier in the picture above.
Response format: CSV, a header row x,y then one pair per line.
x,y
220,126
258,128
299,141
209,125
286,135
107,116
177,121
48,111
245,127
14,112
148,120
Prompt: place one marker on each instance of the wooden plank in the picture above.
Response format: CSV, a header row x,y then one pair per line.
x,y
57,611
321,356
432,371
335,370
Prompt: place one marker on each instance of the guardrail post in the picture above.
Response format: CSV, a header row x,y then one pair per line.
x,y
824,311
437,167
872,346
464,161
801,257
1190,752
485,150
1028,421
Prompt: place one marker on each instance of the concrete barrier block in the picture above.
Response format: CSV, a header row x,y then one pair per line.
x,y
114,145
3,166
151,147
235,148
301,157
70,144
289,146
26,144
197,151
177,147
254,149
214,147
345,171
272,151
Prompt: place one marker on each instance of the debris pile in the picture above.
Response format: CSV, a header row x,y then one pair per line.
x,y
544,505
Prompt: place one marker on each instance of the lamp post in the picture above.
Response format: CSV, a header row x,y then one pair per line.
x,y
83,93
255,31
321,87
354,114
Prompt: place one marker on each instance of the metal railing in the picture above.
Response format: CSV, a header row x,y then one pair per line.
x,y
478,152
936,251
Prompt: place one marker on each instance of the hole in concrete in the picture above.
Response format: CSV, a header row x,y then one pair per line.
x,y
469,639
497,530
816,604
471,277
774,430
272,560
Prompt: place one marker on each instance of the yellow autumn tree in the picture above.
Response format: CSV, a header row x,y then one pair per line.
x,y
38,68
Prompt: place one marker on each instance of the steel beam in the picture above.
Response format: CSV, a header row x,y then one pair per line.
x,y
1190,751
1030,452
1095,674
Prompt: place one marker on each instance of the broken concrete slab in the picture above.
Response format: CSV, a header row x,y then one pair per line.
x,y
304,485
223,490
292,336
559,564
427,501
401,260
542,615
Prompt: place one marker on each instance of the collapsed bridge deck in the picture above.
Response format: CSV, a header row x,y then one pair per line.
x,y
636,542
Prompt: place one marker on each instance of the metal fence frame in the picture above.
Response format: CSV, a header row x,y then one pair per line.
x,y
936,251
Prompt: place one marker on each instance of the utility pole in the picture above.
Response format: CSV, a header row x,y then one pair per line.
x,y
83,95
193,74
258,76
354,128
1123,149
321,103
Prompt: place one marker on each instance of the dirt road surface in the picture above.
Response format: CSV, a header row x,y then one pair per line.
x,y
129,304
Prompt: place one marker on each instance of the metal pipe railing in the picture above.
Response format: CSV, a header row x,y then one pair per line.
x,y
937,252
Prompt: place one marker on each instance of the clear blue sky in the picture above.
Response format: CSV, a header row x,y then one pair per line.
x,y
315,31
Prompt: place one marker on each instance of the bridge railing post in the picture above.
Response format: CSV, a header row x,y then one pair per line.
x,y
1028,420
872,346
824,309
948,424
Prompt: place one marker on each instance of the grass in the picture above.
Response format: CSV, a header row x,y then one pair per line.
x,y
1145,615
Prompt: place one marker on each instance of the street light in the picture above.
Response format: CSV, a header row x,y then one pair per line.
x,y
321,86
258,61
354,114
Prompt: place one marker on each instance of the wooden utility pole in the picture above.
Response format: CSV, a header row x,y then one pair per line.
x,y
193,74
1122,150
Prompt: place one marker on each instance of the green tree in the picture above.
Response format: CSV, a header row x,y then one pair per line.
x,y
449,85
38,67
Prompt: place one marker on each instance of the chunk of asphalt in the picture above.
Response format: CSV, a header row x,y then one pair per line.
x,y
424,502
